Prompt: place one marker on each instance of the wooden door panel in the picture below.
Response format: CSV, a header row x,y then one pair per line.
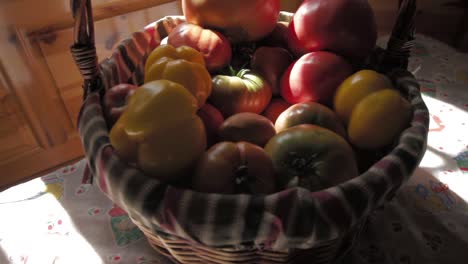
x,y
55,49
16,136
40,92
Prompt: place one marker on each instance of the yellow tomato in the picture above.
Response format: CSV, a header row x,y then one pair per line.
x,y
355,88
183,65
182,52
193,76
170,152
159,130
378,119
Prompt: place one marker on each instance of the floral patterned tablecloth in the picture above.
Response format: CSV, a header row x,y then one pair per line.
x,y
60,218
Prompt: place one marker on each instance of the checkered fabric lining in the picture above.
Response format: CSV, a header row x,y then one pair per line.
x,y
293,218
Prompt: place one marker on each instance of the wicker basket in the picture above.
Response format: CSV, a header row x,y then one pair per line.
x,y
292,226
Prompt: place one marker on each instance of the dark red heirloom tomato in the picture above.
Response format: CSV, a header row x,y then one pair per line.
x,y
231,168
115,101
212,119
248,127
271,63
278,37
275,108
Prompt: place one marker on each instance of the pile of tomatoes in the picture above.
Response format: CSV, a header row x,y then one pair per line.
x,y
236,101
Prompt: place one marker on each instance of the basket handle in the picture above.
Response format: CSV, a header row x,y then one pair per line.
x,y
400,43
83,49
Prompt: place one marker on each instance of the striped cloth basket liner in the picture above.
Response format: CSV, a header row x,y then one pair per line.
x,y
293,218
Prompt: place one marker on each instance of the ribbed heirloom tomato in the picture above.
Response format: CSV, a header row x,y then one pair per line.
x,y
243,92
215,48
231,168
311,157
239,20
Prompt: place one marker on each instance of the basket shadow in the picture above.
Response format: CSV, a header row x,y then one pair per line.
x,y
3,256
424,223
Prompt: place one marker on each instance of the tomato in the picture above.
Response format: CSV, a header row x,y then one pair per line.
x,y
183,65
378,119
163,52
271,63
232,168
311,157
345,27
314,78
115,101
242,54
249,127
215,48
275,108
160,131
310,113
355,88
244,92
212,119
240,20
278,37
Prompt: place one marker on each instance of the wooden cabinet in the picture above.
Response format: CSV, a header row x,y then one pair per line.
x,y
40,86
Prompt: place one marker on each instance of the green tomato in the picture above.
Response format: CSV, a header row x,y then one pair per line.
x,y
311,157
242,92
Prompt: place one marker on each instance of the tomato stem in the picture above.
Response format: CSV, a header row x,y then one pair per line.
x,y
242,72
300,163
232,71
242,179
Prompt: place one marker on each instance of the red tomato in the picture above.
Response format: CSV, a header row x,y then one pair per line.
x,y
270,63
154,41
314,78
231,168
248,127
240,20
345,27
275,108
278,37
115,101
212,119
310,113
215,47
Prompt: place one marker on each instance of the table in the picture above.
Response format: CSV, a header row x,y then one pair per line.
x,y
60,218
